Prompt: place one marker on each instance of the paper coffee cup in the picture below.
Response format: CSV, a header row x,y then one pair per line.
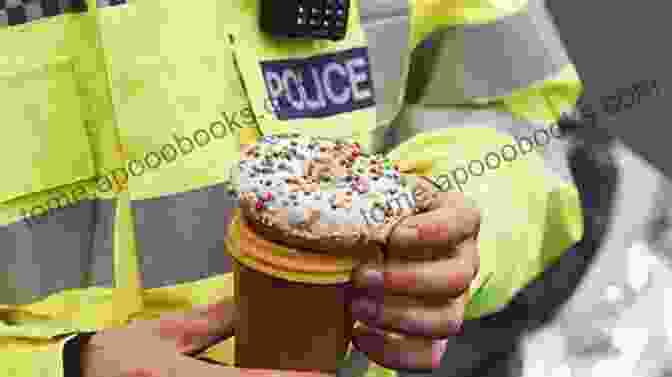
x,y
284,324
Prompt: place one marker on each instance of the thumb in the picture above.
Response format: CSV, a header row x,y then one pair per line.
x,y
202,328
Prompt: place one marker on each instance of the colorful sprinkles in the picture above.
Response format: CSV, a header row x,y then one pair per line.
x,y
333,177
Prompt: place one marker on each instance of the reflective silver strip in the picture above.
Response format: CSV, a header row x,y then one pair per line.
x,y
416,119
180,237
108,3
386,24
480,61
70,247
17,12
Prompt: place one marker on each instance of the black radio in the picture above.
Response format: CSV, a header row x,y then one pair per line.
x,y
310,19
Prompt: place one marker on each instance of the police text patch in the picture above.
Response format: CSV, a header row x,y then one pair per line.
x,y
319,86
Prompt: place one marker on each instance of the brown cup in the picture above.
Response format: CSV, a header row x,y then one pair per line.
x,y
286,325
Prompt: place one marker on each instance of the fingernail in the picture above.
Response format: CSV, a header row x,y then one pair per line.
x,y
200,327
142,372
373,278
364,309
438,350
169,328
400,280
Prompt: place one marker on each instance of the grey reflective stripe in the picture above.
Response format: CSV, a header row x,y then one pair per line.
x,y
180,237
386,24
70,247
478,61
16,12
416,119
108,3
102,274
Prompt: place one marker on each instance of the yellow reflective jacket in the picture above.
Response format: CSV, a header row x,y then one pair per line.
x,y
122,121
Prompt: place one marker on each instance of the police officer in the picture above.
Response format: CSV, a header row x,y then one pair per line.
x,y
125,119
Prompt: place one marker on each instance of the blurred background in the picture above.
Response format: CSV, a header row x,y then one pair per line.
x,y
618,319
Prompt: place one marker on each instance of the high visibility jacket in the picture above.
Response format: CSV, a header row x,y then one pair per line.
x,y
123,120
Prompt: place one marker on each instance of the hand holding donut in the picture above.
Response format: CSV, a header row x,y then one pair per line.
x,y
421,290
